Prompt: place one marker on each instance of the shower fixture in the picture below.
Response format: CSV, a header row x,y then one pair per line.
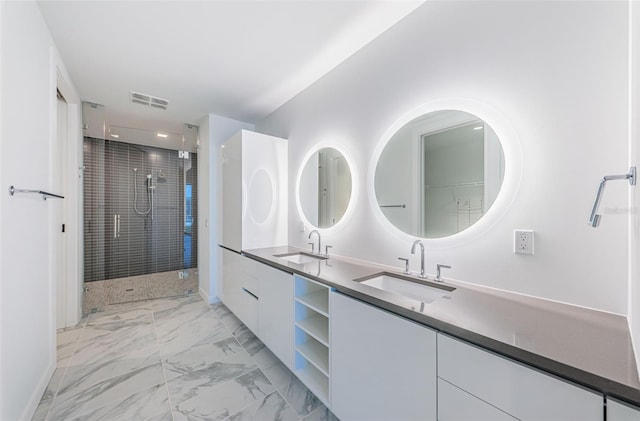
x,y
150,189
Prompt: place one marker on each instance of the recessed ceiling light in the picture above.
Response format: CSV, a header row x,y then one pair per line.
x,y
115,135
163,135
478,128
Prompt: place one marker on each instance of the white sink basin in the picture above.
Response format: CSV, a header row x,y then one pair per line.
x,y
299,258
408,288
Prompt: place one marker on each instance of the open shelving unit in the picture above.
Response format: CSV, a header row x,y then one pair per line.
x,y
312,336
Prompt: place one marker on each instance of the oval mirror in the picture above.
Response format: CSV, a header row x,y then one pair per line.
x,y
439,174
325,187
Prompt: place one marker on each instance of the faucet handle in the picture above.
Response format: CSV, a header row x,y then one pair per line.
x,y
406,265
313,246
438,267
326,250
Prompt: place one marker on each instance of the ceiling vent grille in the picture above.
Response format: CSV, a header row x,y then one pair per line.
x,y
152,101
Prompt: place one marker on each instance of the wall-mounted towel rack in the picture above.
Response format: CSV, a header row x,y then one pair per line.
x,y
45,195
594,219
393,206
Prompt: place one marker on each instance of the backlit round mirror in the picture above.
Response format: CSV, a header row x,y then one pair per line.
x,y
324,187
439,174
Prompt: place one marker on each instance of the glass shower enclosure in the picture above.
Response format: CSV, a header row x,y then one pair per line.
x,y
140,231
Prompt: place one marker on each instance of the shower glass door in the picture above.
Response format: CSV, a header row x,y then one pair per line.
x,y
140,209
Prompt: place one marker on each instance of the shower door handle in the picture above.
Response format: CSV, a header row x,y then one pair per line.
x,y
116,225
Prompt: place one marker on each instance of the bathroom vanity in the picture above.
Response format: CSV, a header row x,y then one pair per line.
x,y
472,353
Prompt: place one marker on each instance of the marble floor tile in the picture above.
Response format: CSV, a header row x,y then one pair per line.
x,y
188,308
229,320
299,397
42,410
163,304
84,377
217,402
110,344
152,403
76,402
201,357
248,340
321,414
216,373
171,359
272,407
138,307
66,340
187,331
277,373
54,383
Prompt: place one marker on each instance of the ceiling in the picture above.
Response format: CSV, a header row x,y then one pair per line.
x,y
238,59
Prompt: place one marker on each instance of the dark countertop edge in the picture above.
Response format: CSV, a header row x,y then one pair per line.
x,y
582,378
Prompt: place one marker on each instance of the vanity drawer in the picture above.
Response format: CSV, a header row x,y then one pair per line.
x,y
249,274
250,267
454,404
518,390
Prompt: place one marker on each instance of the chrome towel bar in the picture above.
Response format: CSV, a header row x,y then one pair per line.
x,y
45,195
594,219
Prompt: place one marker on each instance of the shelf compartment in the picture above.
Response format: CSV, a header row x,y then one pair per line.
x,y
314,379
317,301
313,351
317,326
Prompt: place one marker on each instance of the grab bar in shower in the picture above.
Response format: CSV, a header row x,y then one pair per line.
x,y
45,195
594,219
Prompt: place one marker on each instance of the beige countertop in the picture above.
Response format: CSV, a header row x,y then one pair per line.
x,y
589,347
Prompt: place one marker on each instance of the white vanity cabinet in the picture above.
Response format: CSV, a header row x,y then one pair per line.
x,y
617,411
383,367
275,312
514,389
240,288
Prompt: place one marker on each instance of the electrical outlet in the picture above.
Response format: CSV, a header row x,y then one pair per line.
x,y
523,242
181,275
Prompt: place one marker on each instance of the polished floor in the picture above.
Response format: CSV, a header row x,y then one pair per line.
x,y
171,359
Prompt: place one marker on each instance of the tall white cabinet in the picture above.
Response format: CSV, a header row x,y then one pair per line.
x,y
253,195
253,214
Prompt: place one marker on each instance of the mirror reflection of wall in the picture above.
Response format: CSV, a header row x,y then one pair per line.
x,y
325,187
439,174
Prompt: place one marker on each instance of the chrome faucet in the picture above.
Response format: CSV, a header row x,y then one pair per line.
x,y
438,268
413,251
319,244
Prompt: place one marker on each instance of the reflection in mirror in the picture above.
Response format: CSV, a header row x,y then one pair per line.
x,y
325,187
439,174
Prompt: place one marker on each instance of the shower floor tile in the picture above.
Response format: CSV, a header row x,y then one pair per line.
x,y
171,359
100,295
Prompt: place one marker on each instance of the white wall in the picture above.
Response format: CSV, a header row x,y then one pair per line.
x,y
214,131
558,73
29,67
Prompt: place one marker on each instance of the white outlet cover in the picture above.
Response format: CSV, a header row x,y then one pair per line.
x,y
523,242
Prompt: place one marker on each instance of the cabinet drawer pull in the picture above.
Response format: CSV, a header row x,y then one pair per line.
x,y
250,293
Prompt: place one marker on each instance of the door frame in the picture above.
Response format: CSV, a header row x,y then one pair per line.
x,y
72,255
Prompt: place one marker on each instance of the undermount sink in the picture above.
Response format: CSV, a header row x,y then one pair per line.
x,y
300,257
407,287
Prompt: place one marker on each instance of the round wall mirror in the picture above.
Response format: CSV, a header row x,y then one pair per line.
x,y
439,174
324,189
